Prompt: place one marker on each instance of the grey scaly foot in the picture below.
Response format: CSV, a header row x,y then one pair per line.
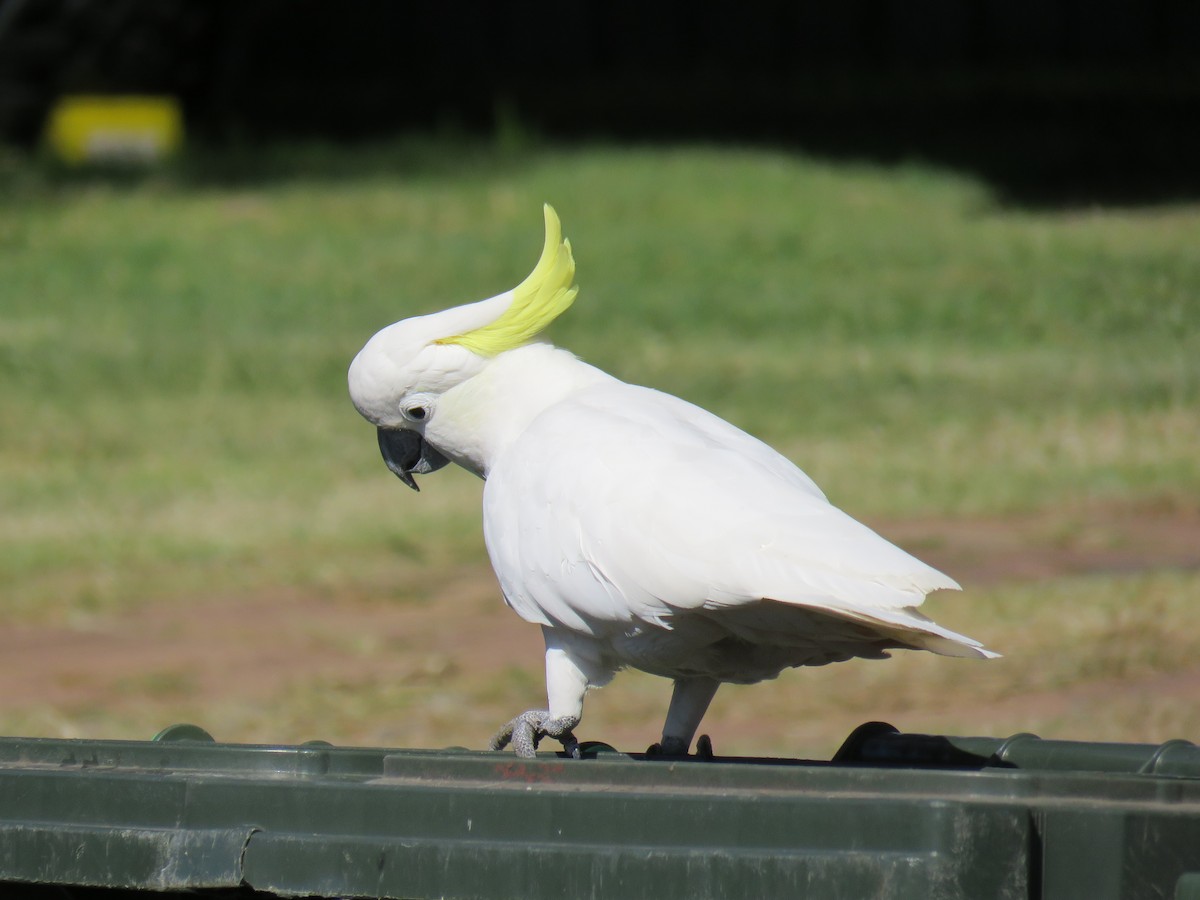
x,y
526,731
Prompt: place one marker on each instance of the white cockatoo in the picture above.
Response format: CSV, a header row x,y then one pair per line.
x,y
635,528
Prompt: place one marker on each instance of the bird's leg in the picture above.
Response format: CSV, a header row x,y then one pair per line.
x,y
566,685
689,703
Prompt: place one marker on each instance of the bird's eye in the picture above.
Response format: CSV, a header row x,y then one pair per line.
x,y
418,407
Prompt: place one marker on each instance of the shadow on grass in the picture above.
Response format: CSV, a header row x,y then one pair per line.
x,y
246,164
1036,142
1038,154
1042,138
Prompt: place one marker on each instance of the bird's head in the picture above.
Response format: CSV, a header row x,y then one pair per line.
x,y
402,371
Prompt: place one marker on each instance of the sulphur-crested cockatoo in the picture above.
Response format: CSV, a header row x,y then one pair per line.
x,y
635,528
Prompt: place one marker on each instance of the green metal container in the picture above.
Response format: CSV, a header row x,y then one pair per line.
x,y
892,815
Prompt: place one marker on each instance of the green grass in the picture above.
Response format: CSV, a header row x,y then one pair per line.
x,y
173,348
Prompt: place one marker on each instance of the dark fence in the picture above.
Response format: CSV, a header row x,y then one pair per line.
x,y
1022,90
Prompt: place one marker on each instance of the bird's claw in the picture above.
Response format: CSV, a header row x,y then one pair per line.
x,y
526,731
674,747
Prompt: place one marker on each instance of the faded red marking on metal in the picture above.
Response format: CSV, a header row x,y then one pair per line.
x,y
519,771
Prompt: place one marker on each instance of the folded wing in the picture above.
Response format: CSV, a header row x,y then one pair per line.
x,y
635,507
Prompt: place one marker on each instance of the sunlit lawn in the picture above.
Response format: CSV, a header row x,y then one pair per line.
x,y
173,348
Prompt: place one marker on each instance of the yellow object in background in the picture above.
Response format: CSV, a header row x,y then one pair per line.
x,y
114,129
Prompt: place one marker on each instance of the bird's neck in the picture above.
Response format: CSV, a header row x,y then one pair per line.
x,y
476,420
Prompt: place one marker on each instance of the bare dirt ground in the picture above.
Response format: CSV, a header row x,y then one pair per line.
x,y
238,662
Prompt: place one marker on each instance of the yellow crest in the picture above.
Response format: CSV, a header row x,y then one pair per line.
x,y
537,301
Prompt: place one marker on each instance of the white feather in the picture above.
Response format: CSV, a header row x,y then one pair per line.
x,y
619,511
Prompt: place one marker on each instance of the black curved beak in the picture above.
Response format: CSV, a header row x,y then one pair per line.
x,y
406,453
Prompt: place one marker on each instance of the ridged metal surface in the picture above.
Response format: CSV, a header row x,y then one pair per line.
x,y
895,815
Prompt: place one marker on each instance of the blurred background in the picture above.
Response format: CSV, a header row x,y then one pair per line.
x,y
1046,100
944,255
